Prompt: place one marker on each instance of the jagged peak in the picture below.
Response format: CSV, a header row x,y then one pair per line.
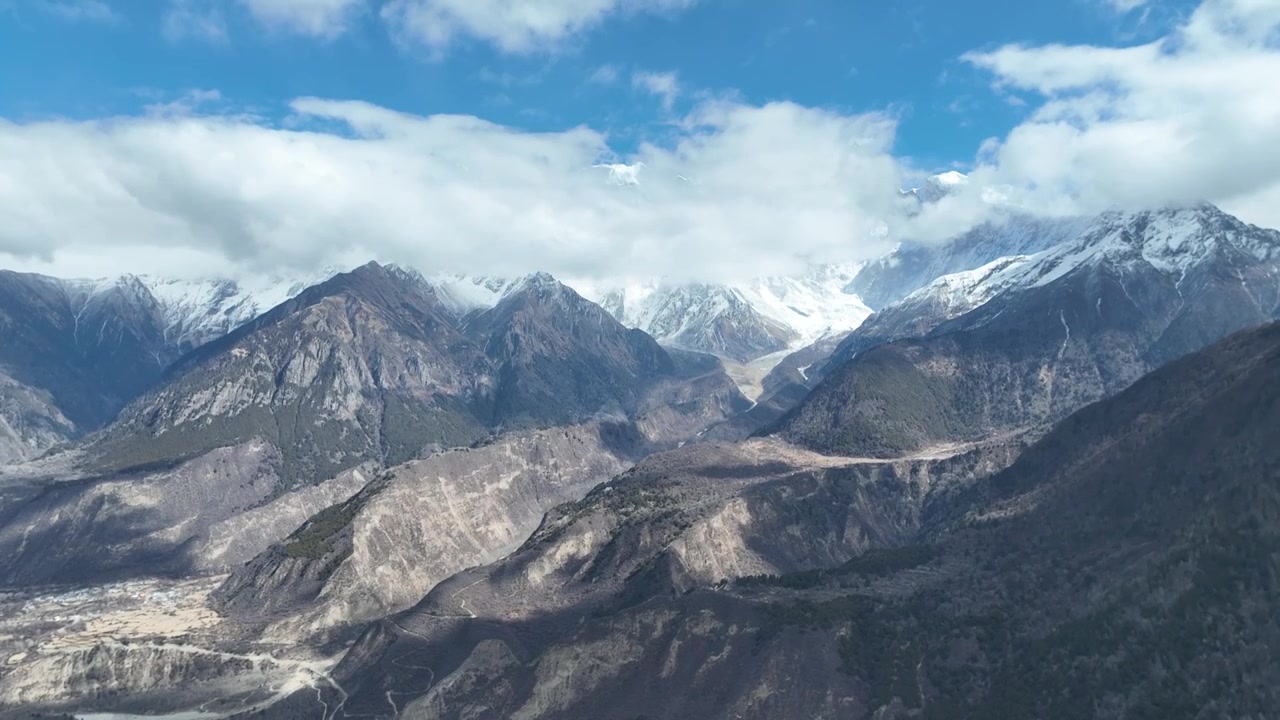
x,y
541,287
373,267
541,294
390,272
537,280
1176,230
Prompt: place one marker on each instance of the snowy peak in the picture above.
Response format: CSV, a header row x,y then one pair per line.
x,y
915,265
538,282
742,321
737,321
547,301
198,311
956,294
1173,242
938,186
1177,256
465,293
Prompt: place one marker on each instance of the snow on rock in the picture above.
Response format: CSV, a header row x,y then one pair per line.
x,y
740,321
1173,241
913,266
197,311
958,293
464,293
939,186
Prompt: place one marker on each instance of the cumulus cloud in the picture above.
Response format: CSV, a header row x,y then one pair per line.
x,y
193,19
191,188
315,18
515,26
1194,116
81,10
666,86
741,190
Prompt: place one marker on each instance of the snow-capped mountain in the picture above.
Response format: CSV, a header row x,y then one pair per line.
x,y
198,311
78,350
936,187
741,321
464,293
1176,243
738,321
1029,339
914,265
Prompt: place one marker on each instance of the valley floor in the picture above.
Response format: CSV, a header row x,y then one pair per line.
x,y
113,651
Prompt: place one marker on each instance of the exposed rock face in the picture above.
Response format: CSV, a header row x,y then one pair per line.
x,y
304,404
333,378
30,421
218,509
501,639
700,397
75,352
372,366
91,674
1037,338
71,355
386,547
295,411
560,359
1127,557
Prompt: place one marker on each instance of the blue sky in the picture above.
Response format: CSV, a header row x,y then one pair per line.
x,y
899,56
608,139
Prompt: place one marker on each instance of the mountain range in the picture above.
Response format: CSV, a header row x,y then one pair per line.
x,y
1036,472
1121,567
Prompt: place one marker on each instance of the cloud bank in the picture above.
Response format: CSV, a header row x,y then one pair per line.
x,y
743,190
733,190
1194,116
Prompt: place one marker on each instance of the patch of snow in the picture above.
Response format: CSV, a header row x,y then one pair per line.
x,y
798,310
1173,242
464,293
197,311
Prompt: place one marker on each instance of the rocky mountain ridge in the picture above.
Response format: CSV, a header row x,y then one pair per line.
x,y
1026,341
1125,555
366,371
407,472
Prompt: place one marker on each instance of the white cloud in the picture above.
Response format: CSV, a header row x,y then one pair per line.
x,y
1195,116
742,190
735,190
316,18
622,173
185,105
604,75
515,26
664,85
194,19
1126,6
81,10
